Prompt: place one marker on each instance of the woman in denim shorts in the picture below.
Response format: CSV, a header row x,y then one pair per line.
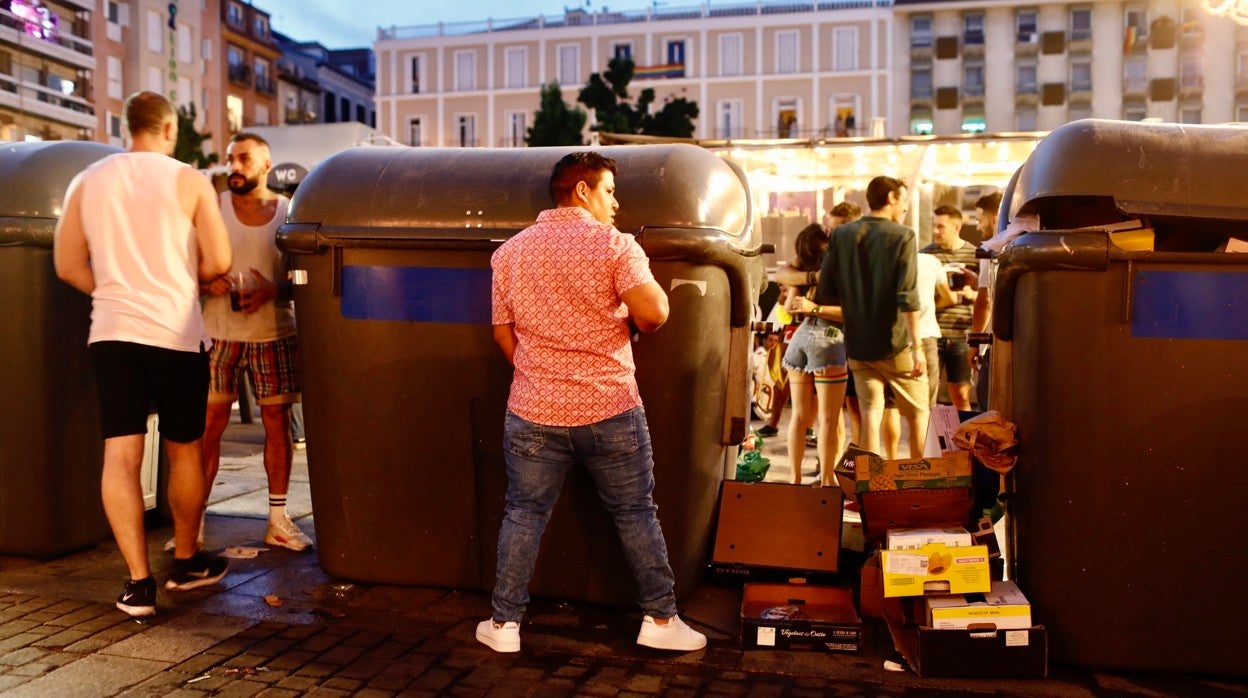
x,y
815,357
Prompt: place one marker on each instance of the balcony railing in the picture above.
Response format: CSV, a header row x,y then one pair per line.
x,y
266,85
45,102
64,40
654,13
240,74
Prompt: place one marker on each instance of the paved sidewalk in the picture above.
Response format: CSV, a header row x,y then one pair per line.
x,y
279,626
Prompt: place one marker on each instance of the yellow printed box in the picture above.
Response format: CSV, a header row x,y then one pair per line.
x,y
875,474
936,567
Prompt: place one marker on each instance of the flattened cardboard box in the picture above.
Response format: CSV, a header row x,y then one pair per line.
x,y
827,620
773,530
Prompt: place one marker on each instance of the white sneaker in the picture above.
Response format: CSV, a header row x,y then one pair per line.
x,y
285,533
500,638
673,636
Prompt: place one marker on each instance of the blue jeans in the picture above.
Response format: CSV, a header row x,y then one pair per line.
x,y
617,454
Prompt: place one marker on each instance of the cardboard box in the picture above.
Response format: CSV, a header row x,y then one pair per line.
x,y
1022,653
935,567
1235,245
875,474
871,588
916,538
941,424
1139,240
822,618
844,470
1002,608
883,511
773,530
852,537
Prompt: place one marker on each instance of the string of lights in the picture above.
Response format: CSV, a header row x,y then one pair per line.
x,y
1236,10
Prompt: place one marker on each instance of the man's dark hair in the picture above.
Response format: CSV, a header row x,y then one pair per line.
x,y
848,211
989,203
947,210
249,136
879,189
148,112
584,166
810,246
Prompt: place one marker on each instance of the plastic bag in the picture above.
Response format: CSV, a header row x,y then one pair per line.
x,y
991,439
752,465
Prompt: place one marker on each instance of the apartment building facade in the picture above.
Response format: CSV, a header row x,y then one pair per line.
x,y
756,69
248,71
158,45
47,64
1027,66
323,85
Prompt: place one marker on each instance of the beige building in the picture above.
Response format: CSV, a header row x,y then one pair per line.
x,y
756,70
1026,66
783,69
46,66
158,45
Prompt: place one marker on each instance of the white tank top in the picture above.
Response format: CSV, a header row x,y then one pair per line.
x,y
255,247
144,253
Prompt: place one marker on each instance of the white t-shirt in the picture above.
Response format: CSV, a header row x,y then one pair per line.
x,y
255,247
927,275
144,253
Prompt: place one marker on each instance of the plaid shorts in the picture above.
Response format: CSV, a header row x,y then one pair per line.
x,y
272,366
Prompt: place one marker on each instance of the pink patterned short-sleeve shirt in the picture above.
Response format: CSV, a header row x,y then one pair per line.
x,y
558,282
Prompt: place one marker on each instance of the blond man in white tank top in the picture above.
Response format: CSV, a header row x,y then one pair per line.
x,y
139,233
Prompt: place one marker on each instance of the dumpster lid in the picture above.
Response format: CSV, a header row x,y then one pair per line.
x,y
1146,169
34,176
475,193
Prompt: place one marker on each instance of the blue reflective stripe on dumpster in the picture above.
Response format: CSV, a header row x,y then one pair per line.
x,y
417,294
1190,305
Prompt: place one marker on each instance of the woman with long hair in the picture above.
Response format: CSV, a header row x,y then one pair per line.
x,y
815,358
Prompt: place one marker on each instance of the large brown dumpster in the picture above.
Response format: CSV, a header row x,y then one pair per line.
x,y
405,390
1127,375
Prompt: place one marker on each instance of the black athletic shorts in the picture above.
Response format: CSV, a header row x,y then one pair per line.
x,y
133,379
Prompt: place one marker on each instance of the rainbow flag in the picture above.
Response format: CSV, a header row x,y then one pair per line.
x,y
652,72
1133,35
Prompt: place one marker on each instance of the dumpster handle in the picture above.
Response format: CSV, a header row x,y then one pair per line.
x,y
335,274
1035,251
1127,292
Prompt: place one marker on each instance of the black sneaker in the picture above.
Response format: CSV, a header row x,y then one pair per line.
x,y
139,598
767,430
198,570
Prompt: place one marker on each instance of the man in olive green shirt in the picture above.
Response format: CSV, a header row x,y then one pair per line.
x,y
869,270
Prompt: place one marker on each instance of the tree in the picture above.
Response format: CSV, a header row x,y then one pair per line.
x,y
675,119
607,95
556,123
190,145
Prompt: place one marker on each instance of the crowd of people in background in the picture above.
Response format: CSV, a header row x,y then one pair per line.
x,y
867,325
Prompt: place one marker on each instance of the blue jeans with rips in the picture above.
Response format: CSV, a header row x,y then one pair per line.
x,y
618,455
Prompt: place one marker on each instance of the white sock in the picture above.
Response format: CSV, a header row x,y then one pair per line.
x,y
277,507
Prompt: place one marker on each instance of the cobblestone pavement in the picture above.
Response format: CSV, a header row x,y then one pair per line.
x,y
279,626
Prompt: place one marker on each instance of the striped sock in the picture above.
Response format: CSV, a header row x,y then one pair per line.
x,y
277,506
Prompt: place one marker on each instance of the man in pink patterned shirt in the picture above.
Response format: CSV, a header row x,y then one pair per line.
x,y
574,397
